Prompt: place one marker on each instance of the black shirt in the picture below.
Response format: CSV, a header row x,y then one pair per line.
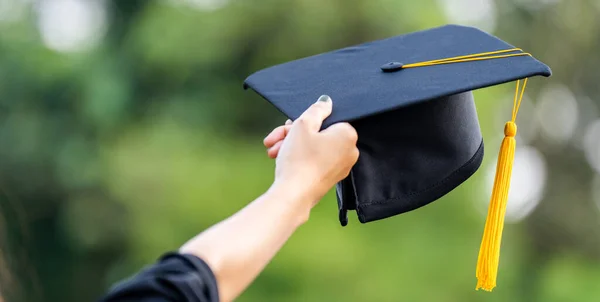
x,y
175,277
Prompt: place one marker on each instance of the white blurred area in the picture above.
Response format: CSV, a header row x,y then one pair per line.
x,y
558,118
528,127
527,185
484,14
557,113
478,13
71,25
206,5
554,118
201,5
591,145
588,113
66,26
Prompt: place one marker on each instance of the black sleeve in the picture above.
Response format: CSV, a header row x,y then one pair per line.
x,y
175,277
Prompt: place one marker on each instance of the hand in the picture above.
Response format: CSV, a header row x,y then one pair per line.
x,y
274,140
311,160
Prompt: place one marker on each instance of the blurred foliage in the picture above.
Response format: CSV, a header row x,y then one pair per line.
x,y
113,156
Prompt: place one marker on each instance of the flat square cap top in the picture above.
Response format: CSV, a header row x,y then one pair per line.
x,y
355,79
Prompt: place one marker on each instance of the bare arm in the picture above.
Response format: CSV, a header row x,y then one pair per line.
x,y
308,163
238,248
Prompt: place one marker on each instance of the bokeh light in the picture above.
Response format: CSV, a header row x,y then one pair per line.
x,y
527,185
71,25
557,113
207,5
588,113
478,13
528,127
591,145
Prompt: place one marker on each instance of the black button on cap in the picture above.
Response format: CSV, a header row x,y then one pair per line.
x,y
391,66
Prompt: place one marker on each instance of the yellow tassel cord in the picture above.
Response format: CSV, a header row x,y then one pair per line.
x,y
469,58
489,253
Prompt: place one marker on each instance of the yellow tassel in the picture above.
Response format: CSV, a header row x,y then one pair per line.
x,y
489,253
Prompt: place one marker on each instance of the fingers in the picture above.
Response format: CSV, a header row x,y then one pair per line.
x,y
274,151
345,138
314,116
276,135
347,135
343,131
274,140
354,156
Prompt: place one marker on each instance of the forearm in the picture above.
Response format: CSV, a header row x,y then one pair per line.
x,y
238,248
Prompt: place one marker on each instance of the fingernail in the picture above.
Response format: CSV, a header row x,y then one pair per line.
x,y
324,98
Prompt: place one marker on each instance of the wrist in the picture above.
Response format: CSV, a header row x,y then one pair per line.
x,y
294,197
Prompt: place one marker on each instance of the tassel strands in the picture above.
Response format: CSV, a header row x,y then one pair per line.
x,y
489,253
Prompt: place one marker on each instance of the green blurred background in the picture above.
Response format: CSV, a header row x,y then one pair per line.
x,y
124,131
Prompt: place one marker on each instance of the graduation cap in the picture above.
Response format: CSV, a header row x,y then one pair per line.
x,y
410,100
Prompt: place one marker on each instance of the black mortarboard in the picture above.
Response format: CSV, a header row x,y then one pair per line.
x,y
409,98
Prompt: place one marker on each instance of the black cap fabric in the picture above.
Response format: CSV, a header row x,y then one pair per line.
x,y
419,135
412,156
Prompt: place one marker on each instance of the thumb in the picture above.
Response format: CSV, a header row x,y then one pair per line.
x,y
314,116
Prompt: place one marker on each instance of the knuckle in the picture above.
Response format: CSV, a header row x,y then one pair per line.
x,y
302,121
353,154
287,129
356,154
350,132
353,135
